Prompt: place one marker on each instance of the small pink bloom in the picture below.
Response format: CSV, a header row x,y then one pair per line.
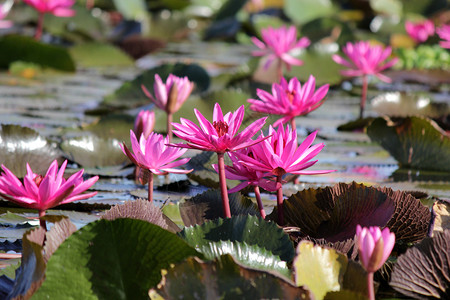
x,y
4,10
365,60
221,136
279,43
249,176
374,246
444,33
280,154
44,192
153,154
289,99
59,8
420,31
144,123
171,95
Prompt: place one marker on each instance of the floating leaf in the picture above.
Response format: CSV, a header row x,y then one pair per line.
x,y
208,206
60,231
423,272
23,48
112,260
21,145
93,152
323,270
414,142
112,125
252,256
303,11
223,278
249,229
389,7
12,219
99,55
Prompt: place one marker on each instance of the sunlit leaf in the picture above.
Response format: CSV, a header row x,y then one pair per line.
x,y
99,55
303,11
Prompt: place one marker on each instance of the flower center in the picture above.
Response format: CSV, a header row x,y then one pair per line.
x,y
291,95
221,127
38,179
278,171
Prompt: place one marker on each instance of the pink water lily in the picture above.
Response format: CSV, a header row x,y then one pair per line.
x,y
44,192
4,10
444,33
290,99
220,136
153,154
280,154
144,123
365,59
59,8
420,31
170,96
374,248
278,44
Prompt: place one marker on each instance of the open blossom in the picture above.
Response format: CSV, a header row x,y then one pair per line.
x,y
374,246
280,43
365,59
289,99
219,136
171,95
59,8
44,192
444,33
144,123
281,154
420,31
153,154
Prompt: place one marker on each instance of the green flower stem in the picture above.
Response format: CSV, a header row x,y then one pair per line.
x,y
280,202
223,185
259,201
40,25
362,105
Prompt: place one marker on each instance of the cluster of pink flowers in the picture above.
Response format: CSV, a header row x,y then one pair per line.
x,y
420,31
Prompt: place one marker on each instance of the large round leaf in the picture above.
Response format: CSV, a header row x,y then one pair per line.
x,y
100,55
249,229
303,11
120,259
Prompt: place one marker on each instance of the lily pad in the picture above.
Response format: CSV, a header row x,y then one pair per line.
x,y
208,206
415,142
99,55
423,271
23,48
112,259
20,145
224,278
93,152
303,11
249,229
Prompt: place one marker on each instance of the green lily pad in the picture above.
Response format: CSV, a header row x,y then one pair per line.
x,y
94,152
389,7
303,11
99,55
13,219
322,28
323,270
415,142
26,49
113,125
249,229
224,278
20,145
120,259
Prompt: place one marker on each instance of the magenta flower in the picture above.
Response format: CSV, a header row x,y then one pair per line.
x,y
365,60
280,154
444,33
374,248
144,123
290,99
44,192
279,44
59,8
221,136
153,154
420,31
170,96
4,10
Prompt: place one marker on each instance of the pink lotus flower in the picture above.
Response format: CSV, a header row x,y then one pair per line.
x,y
154,155
278,44
289,99
44,192
144,123
419,31
221,136
365,60
170,96
4,10
444,33
374,247
280,154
